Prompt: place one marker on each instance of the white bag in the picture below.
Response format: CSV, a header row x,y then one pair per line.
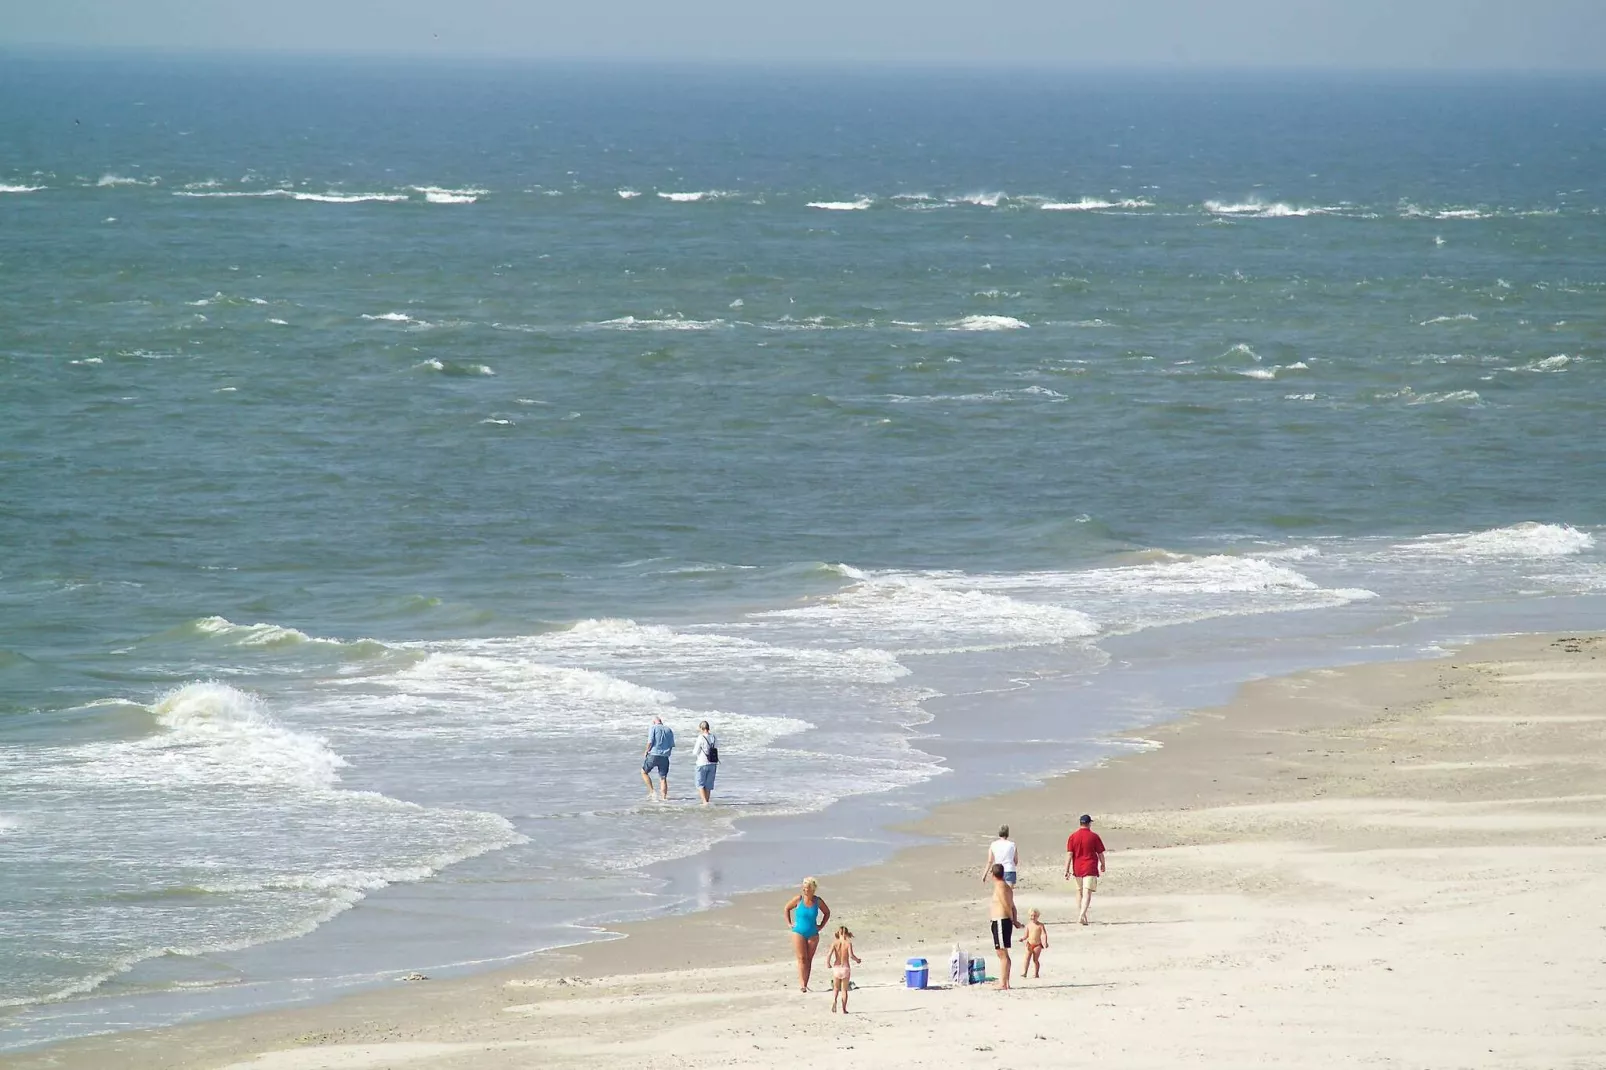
x,y
959,967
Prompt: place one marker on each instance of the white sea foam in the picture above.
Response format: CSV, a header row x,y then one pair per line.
x,y
1242,349
517,675
251,634
299,195
5,188
497,421
628,194
671,651
1175,589
88,360
519,686
842,206
1214,574
348,198
392,317
1448,397
1258,373
1525,540
109,180
446,367
670,323
689,196
931,612
986,323
1460,213
233,193
9,824
1549,364
274,637
443,195
1461,317
980,200
1262,210
214,734
1583,579
1091,204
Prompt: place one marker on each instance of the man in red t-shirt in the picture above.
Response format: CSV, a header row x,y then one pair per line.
x,y
1084,859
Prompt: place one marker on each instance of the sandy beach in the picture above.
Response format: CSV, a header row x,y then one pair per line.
x,y
1392,865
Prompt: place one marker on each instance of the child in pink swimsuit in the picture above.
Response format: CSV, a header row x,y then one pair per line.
x,y
841,958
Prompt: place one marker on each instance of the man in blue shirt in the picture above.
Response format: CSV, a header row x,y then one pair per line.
x,y
660,741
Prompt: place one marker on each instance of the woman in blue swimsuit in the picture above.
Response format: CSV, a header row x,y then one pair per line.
x,y
807,914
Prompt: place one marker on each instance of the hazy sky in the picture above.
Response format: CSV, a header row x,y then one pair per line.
x,y
1397,34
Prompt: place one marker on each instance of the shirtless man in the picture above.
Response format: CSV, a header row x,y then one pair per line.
x,y
1004,923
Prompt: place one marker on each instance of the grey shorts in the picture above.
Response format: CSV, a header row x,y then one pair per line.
x,y
659,762
705,776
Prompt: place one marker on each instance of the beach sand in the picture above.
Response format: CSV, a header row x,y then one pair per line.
x,y
1390,865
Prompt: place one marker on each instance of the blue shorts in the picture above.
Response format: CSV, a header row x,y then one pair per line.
x,y
1009,877
660,762
705,776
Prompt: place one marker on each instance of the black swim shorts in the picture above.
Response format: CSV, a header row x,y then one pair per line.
x,y
1003,933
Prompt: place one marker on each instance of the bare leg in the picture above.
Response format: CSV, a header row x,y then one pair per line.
x,y
1003,968
836,993
845,988
704,793
811,945
663,782
1087,904
800,949
647,780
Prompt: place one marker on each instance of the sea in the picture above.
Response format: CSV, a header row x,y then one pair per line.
x,y
384,444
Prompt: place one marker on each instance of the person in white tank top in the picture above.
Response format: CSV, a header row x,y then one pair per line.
x,y
1002,852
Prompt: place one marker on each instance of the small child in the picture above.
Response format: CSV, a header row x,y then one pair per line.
x,y
1036,941
841,958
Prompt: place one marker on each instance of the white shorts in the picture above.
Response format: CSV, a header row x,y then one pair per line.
x,y
1087,884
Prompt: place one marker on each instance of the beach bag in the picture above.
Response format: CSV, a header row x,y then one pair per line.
x,y
959,967
712,751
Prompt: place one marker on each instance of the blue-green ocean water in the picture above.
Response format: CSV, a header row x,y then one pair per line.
x,y
382,446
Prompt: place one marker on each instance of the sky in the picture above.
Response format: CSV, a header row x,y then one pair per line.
x,y
1405,35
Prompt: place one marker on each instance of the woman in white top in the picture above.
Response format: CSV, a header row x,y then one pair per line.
x,y
1002,852
706,751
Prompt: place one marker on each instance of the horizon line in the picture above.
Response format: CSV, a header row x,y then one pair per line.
x,y
791,65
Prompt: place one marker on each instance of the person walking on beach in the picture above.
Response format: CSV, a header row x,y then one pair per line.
x,y
806,914
1003,853
1003,921
706,751
840,959
1084,859
660,742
